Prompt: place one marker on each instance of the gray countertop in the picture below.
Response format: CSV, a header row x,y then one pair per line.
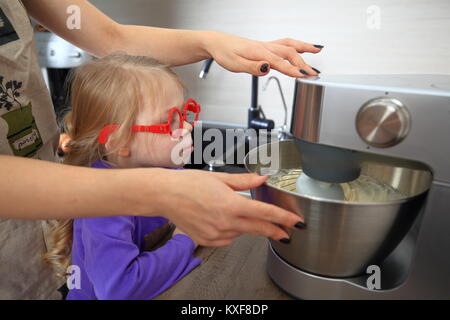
x,y
234,272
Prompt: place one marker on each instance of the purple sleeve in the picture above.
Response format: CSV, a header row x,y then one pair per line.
x,y
117,268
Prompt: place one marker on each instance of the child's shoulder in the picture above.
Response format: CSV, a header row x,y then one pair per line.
x,y
101,164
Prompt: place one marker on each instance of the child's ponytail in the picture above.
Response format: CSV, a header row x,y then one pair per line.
x,y
58,256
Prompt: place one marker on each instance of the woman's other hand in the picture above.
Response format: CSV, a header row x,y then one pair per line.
x,y
205,205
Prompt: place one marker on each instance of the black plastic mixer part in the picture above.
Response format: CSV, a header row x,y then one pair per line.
x,y
329,164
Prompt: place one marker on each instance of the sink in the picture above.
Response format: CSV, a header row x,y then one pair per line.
x,y
231,153
229,158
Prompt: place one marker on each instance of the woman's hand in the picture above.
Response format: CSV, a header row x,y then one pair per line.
x,y
205,206
256,57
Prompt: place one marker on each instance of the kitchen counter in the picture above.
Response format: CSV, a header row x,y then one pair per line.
x,y
234,272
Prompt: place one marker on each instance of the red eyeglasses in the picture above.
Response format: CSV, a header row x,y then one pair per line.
x,y
175,121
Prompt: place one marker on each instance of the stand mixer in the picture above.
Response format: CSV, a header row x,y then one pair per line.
x,y
392,129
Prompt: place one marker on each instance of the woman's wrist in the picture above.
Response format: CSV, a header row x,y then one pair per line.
x,y
206,42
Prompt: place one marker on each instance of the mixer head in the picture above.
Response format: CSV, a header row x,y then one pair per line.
x,y
328,164
324,167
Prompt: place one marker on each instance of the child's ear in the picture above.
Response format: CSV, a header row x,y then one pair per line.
x,y
123,152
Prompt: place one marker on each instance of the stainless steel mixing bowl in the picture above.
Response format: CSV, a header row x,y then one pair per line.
x,y
342,238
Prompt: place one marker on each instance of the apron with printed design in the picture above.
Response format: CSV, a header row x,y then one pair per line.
x,y
27,129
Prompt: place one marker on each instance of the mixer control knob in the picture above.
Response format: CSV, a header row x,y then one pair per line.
x,y
383,122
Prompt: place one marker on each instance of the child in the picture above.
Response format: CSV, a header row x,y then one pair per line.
x,y
127,112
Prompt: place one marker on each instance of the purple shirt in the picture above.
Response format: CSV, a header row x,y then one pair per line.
x,y
113,264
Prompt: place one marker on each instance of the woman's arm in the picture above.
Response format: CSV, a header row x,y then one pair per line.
x,y
100,35
202,204
36,189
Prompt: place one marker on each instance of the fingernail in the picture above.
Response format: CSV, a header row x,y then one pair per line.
x,y
318,46
285,240
315,70
264,67
300,225
304,72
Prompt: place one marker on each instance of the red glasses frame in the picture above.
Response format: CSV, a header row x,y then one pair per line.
x,y
189,105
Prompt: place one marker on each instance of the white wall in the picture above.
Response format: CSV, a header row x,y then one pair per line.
x,y
413,37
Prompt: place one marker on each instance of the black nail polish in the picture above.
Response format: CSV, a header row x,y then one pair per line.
x,y
318,46
315,70
285,240
264,67
300,225
304,72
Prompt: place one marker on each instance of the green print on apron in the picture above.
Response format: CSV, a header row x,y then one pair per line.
x,y
23,135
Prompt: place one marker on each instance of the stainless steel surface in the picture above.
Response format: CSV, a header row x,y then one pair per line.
x,y
55,52
418,268
306,111
342,238
328,118
383,122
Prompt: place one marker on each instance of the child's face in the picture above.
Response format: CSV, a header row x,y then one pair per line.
x,y
160,150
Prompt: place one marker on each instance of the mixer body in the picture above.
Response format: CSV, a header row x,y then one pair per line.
x,y
400,126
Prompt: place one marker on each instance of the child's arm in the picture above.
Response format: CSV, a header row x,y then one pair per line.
x,y
179,231
118,270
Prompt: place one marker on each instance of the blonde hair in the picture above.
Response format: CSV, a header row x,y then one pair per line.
x,y
110,90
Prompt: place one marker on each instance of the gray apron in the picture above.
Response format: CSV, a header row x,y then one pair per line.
x,y
27,129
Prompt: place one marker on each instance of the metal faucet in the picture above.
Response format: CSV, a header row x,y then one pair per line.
x,y
205,68
283,134
256,117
